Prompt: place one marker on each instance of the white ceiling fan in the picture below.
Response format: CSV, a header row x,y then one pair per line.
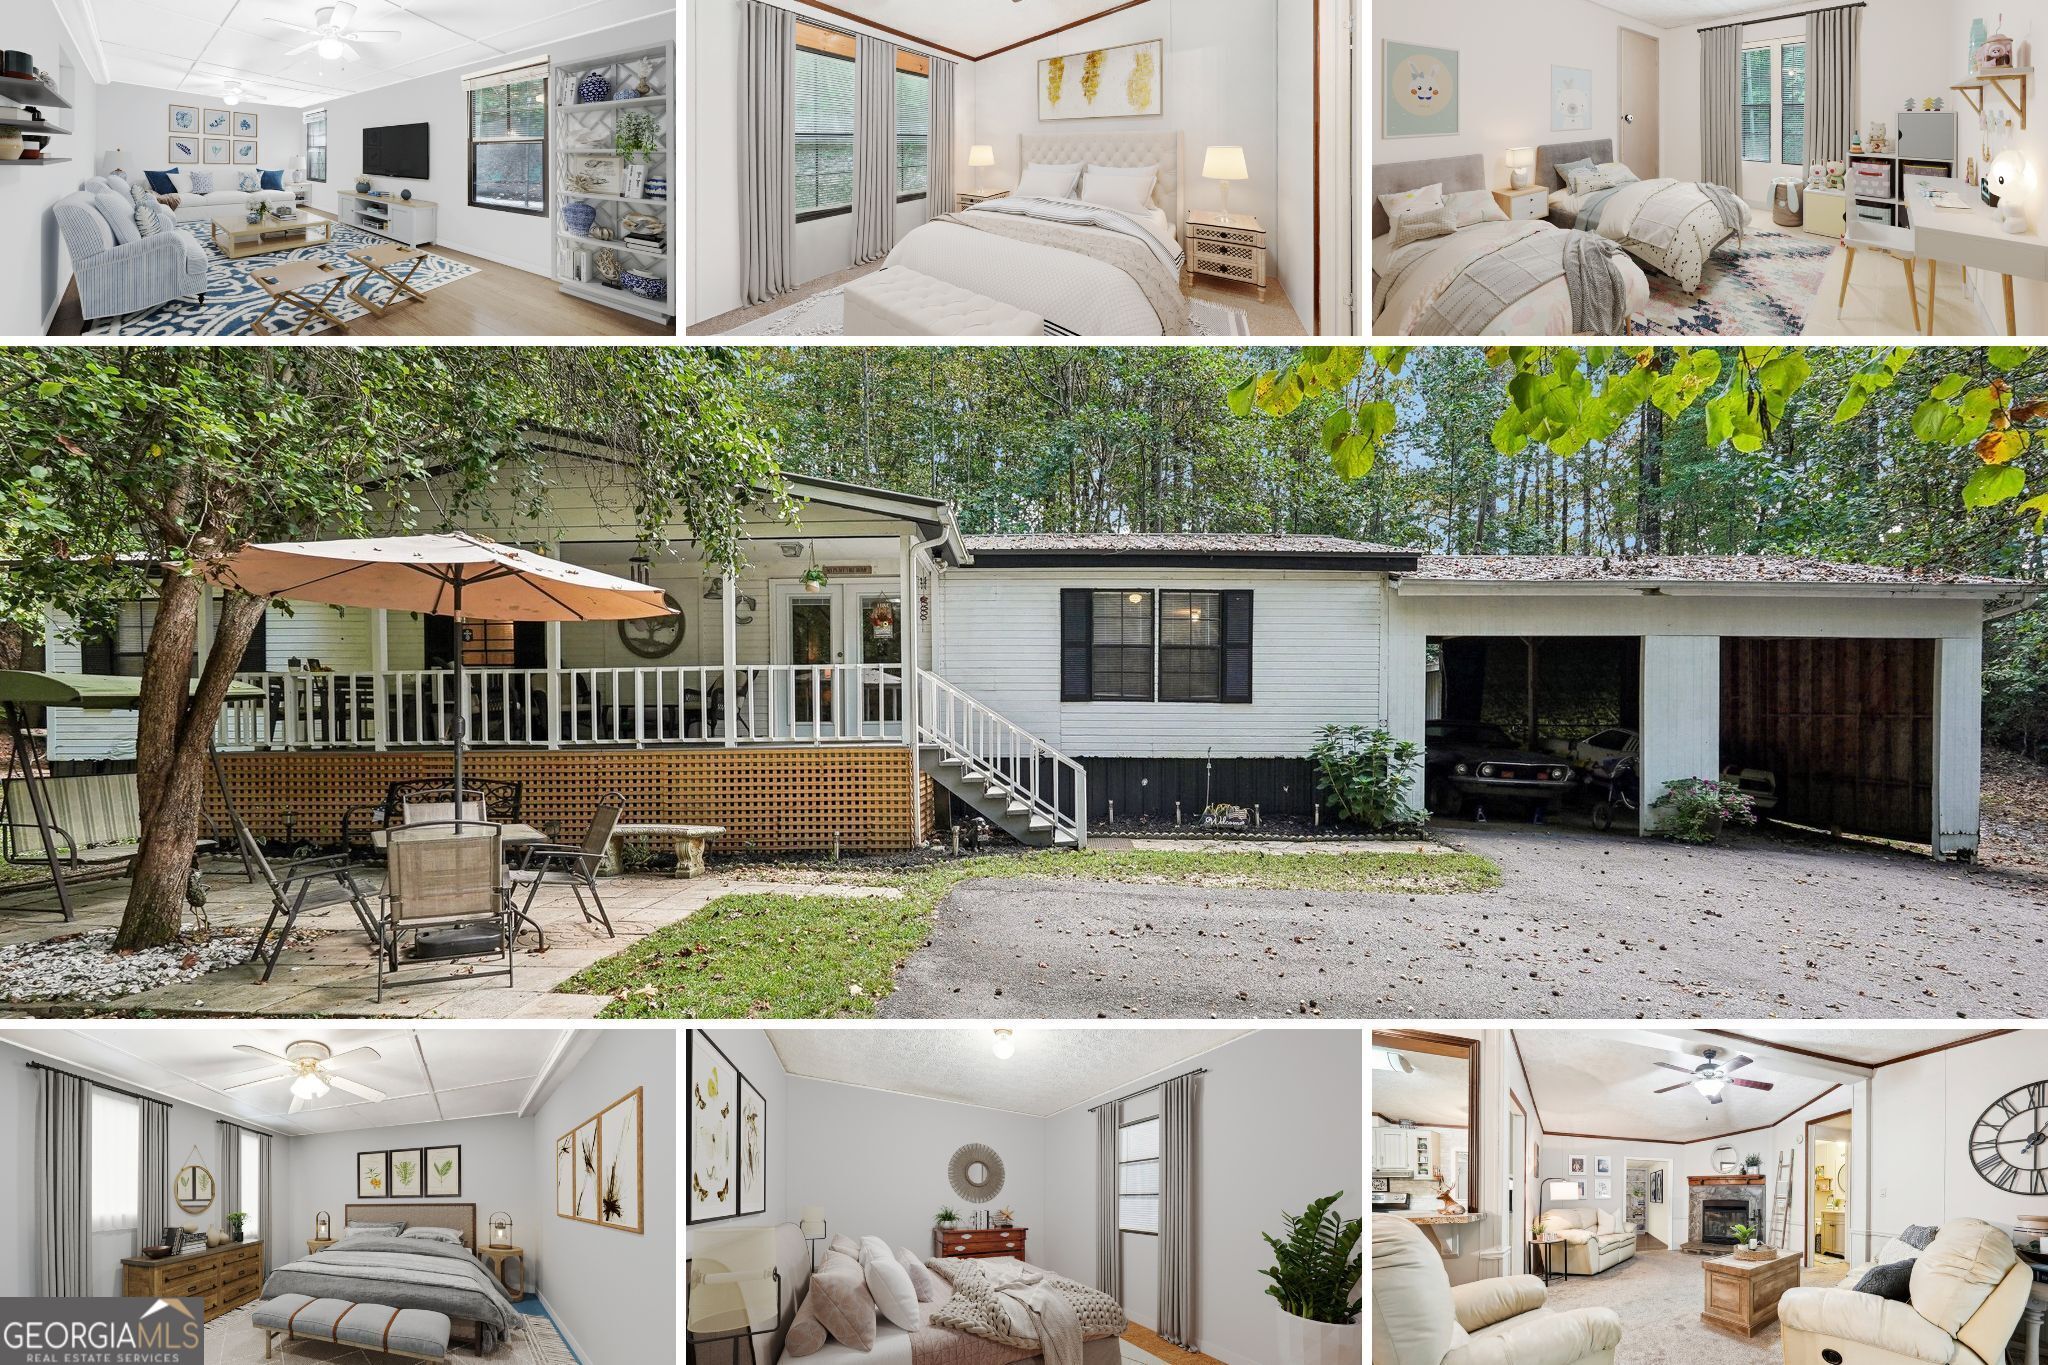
x,y
307,1065
333,32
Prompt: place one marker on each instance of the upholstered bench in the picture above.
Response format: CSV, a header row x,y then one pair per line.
x,y
415,1332
900,302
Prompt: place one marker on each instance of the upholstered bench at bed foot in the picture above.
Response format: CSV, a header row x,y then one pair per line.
x,y
900,302
415,1332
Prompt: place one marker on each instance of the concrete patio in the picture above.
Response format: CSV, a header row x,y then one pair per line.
x,y
332,973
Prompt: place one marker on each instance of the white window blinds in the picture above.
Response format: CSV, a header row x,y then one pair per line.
x,y
116,1161
824,131
1137,1176
913,132
252,1185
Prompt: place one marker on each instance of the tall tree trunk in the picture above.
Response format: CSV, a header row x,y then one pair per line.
x,y
1650,472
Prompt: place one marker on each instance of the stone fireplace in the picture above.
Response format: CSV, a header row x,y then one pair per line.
x,y
1715,1203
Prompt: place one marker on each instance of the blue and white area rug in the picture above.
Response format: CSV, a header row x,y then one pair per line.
x,y
1764,287
234,300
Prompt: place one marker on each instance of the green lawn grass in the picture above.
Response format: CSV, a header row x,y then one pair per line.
x,y
824,956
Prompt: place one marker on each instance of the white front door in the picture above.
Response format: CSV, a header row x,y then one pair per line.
x,y
877,643
808,649
839,658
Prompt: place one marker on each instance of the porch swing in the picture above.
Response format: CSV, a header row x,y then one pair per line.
x,y
81,828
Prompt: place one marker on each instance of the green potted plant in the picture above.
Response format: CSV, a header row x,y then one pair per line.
x,y
814,579
636,137
234,1222
1694,810
1316,1270
945,1217
1753,1163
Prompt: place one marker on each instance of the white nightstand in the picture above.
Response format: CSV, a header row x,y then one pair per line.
x,y
967,199
1229,246
1525,204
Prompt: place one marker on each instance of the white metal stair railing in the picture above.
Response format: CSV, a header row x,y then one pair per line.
x,y
1043,792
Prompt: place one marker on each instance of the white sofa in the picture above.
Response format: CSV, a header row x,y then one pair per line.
x,y
1420,1318
1969,1289
194,207
1587,1250
118,270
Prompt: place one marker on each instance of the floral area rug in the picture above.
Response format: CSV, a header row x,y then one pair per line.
x,y
1763,286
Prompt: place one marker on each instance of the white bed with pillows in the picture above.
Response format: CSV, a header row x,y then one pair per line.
x,y
1446,260
1088,240
1672,226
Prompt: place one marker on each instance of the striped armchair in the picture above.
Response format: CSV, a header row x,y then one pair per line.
x,y
119,271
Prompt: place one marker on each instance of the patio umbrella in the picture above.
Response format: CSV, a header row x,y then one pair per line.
x,y
454,575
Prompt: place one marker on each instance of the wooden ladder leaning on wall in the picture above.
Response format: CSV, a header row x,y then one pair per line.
x,y
1781,1202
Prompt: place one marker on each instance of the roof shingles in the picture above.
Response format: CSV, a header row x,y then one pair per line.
x,y
1174,543
1681,569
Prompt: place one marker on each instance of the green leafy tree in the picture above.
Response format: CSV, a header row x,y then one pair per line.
x,y
127,471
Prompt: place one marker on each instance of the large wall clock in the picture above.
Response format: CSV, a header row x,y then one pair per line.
x,y
2009,1144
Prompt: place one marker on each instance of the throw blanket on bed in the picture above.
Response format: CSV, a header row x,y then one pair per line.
x,y
1669,225
1116,240
1019,1305
402,1272
1497,280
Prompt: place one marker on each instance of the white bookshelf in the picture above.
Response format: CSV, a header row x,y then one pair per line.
x,y
581,129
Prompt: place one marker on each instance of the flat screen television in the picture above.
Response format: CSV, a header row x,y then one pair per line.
x,y
398,150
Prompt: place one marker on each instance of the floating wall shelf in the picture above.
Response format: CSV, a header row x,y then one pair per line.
x,y
2009,83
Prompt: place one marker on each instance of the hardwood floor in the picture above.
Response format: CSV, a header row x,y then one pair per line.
x,y
1151,1343
498,301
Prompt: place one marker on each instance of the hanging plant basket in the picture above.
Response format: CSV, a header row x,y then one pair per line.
x,y
814,579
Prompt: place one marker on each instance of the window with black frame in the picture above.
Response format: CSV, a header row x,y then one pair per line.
x,y
508,139
1120,646
316,145
1190,646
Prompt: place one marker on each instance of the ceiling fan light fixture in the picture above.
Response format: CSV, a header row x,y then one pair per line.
x,y
1710,1086
1006,1045
330,48
1386,1059
231,96
308,1085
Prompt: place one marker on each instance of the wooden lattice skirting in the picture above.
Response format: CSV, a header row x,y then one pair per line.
x,y
769,800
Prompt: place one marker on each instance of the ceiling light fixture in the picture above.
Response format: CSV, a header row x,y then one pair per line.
x,y
231,96
1006,1045
309,1085
1386,1059
1710,1086
331,49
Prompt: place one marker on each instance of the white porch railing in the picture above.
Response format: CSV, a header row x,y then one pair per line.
x,y
1029,772
570,707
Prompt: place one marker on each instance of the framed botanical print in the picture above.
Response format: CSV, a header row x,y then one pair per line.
x,y
373,1175
621,1151
753,1149
245,153
184,151
218,121
245,123
565,1176
585,1204
713,1139
184,119
216,151
406,1164
444,1172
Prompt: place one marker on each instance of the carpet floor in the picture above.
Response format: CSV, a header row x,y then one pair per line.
x,y
1658,1296
234,300
824,315
1764,287
233,1339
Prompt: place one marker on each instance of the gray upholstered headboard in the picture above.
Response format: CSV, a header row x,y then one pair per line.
x,y
1454,173
457,1217
1549,158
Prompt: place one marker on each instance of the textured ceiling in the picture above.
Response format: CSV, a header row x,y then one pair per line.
x,y
973,27
428,1074
1590,1081
196,47
1053,1069
1439,1090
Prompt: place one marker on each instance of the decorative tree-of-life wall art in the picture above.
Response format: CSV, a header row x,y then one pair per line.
x,y
1110,82
1421,85
713,1138
753,1149
599,1168
1571,99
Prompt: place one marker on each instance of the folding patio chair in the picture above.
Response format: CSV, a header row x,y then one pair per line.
x,y
303,884
445,886
571,865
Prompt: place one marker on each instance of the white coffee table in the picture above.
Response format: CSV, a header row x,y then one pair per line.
x,y
237,237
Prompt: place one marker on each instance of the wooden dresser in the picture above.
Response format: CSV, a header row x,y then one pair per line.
x,y
225,1277
978,1242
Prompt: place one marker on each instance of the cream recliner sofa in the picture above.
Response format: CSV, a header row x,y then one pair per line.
x,y
1969,1288
1587,1250
1420,1318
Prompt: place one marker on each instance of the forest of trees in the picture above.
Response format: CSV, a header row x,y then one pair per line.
x,y
1105,439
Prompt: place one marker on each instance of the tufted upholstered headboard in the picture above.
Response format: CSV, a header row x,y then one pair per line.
x,y
1454,173
1549,158
1164,150
461,1217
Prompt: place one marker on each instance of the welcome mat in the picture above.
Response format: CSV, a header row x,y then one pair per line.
x,y
824,315
234,300
1763,287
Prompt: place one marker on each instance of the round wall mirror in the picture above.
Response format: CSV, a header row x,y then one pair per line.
x,y
977,1173
192,1191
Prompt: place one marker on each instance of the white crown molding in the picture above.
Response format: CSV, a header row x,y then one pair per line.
x,y
76,16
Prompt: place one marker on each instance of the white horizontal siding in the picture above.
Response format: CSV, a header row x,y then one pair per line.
x,y
338,637
80,736
1316,642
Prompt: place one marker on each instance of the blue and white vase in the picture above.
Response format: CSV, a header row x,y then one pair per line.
x,y
657,187
650,287
577,216
593,89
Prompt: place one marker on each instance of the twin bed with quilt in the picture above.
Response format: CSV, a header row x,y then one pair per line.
x,y
1670,225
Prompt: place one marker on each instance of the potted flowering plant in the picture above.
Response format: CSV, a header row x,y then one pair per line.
x,y
814,579
1693,810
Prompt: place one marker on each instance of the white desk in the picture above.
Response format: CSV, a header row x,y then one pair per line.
x,y
1970,237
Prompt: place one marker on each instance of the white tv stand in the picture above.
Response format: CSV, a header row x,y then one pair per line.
x,y
402,220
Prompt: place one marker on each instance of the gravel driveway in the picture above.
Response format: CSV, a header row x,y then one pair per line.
x,y
1585,927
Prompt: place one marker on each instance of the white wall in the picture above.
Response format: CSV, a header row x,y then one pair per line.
x,y
1316,639
609,1291
1922,1112
137,119
38,266
514,239
2028,26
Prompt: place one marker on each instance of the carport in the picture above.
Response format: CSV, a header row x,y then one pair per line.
x,y
1860,687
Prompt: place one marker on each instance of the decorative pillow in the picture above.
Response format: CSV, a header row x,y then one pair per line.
x,y
1419,225
1407,201
844,1245
202,182
1919,1235
1564,172
1589,180
271,180
248,182
840,1298
386,1229
169,201
120,216
920,1279
1606,1222
1127,193
1475,206
148,218
161,181
806,1335
1048,182
449,1235
1894,1281
122,185
1622,174
889,1284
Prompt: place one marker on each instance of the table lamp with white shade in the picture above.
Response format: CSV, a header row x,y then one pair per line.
x,y
115,159
815,1229
299,168
1521,167
1223,165
977,157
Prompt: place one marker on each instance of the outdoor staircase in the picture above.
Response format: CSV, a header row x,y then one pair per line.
x,y
1011,778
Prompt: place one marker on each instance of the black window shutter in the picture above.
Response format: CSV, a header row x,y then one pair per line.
x,y
96,654
438,639
256,656
1237,646
529,644
1077,629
